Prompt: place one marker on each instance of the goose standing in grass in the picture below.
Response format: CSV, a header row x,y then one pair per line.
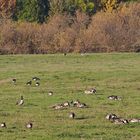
x,y
20,102
90,91
35,78
29,83
3,125
50,93
37,84
72,115
14,80
29,125
114,97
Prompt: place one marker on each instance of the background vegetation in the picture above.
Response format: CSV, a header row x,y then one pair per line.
x,y
40,26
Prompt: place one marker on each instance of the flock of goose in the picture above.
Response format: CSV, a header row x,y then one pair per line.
x,y
20,102
111,117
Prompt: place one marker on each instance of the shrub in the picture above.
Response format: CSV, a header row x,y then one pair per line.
x,y
104,32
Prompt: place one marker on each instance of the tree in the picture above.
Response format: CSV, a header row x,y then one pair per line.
x,y
71,6
109,5
31,10
7,8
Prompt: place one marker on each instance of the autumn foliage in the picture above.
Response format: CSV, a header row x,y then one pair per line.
x,y
117,31
7,8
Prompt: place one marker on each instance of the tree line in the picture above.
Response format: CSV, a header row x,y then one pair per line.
x,y
40,10
63,26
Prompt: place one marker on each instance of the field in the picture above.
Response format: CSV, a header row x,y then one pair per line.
x,y
68,77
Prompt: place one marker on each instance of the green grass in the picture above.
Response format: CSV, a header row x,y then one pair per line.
x,y
68,76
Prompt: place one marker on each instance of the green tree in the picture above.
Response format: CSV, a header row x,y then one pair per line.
x,y
71,6
31,10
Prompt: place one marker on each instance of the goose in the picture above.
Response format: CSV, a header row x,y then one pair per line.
x,y
14,80
59,106
64,54
29,83
29,125
134,120
74,103
37,84
114,97
35,78
3,125
111,116
72,115
125,121
90,91
81,105
50,93
120,121
66,104
20,102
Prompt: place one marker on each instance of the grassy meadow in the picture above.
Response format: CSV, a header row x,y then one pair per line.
x,y
68,77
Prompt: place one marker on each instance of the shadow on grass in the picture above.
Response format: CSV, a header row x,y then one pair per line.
x,y
84,117
75,135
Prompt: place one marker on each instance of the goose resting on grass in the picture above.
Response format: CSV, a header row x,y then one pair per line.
x,y
134,120
114,97
58,106
90,91
29,83
120,121
66,104
35,78
111,116
116,120
78,104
